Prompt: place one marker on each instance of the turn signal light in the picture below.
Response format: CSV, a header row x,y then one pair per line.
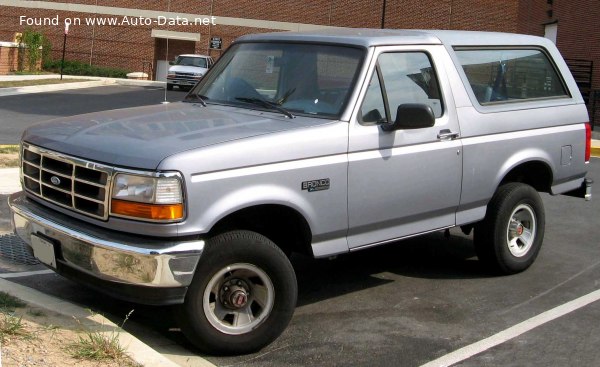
x,y
166,212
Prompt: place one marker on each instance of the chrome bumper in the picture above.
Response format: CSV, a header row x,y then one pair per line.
x,y
106,255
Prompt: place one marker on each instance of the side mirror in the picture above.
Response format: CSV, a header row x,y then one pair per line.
x,y
411,116
171,62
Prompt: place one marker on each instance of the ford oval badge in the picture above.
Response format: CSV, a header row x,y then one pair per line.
x,y
55,180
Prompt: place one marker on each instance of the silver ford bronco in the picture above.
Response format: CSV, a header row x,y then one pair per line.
x,y
320,143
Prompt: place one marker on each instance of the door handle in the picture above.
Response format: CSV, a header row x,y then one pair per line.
x,y
447,134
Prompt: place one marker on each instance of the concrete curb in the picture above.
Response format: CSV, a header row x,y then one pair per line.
x,y
136,349
595,148
96,82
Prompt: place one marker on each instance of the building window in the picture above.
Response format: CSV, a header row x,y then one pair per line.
x,y
551,31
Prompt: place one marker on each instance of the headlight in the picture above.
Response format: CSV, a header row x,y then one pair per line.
x,y
146,197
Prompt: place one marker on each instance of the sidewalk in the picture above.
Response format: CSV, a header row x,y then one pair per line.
x,y
96,82
9,181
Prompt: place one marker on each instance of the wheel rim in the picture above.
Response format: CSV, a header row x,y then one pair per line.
x,y
520,233
238,298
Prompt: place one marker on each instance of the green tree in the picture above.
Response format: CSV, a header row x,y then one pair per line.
x,y
32,41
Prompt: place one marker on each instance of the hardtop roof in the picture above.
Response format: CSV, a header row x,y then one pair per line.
x,y
366,37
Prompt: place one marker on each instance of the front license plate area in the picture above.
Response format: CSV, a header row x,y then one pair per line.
x,y
43,250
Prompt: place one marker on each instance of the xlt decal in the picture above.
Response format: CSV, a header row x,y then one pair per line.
x,y
316,185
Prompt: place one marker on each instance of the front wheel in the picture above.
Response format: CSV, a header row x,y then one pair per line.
x,y
511,235
242,297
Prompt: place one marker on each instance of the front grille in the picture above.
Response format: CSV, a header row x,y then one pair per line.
x,y
70,182
184,74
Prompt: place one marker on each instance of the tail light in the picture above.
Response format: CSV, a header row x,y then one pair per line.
x,y
588,141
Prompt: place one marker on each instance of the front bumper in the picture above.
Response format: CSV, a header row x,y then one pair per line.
x,y
184,81
131,267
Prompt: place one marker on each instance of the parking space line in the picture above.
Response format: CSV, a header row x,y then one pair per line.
x,y
514,331
26,274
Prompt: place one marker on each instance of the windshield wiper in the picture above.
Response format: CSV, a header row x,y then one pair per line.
x,y
267,104
193,98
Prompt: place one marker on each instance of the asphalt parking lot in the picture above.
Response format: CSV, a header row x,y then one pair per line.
x,y
404,304
20,111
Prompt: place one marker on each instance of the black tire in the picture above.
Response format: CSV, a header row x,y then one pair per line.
x,y
235,263
169,86
510,237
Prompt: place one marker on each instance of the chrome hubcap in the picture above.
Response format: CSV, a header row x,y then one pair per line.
x,y
234,294
238,298
520,233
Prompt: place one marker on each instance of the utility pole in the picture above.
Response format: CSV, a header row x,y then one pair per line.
x,y
383,14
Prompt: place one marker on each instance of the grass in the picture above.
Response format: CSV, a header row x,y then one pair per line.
x,y
9,149
9,303
98,346
29,338
36,313
10,325
9,156
28,83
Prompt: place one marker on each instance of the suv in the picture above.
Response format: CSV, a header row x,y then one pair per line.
x,y
320,143
186,70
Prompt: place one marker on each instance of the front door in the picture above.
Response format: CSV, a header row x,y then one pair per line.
x,y
403,182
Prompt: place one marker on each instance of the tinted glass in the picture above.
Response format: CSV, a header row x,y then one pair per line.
x,y
373,109
191,61
302,78
409,78
510,75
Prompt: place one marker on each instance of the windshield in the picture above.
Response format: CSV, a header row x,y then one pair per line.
x,y
191,61
304,79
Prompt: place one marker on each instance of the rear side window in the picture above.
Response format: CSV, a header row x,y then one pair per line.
x,y
510,75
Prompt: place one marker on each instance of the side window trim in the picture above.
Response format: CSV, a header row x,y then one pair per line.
x,y
386,103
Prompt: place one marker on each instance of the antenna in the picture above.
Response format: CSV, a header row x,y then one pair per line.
x,y
167,57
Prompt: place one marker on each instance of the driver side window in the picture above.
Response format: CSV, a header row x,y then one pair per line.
x,y
406,77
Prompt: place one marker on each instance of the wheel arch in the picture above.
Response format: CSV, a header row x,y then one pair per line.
x,y
534,172
283,225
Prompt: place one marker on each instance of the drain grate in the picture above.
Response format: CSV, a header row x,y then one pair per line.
x,y
14,250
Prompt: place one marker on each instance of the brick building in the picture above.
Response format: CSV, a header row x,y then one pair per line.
x,y
135,46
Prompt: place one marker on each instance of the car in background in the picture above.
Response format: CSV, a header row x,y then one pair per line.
x,y
187,69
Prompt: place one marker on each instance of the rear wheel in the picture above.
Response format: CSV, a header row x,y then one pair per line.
x,y
511,235
242,297
169,86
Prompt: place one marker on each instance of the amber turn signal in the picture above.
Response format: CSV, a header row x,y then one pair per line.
x,y
166,212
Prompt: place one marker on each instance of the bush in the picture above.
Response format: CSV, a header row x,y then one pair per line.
x,y
80,68
31,41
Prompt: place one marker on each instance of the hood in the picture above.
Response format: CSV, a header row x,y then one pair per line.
x,y
187,69
142,137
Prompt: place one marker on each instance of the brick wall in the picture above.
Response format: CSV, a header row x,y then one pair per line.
x,y
130,46
8,59
578,36
481,15
10,55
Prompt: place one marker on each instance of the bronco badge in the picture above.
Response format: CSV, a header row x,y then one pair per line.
x,y
316,185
